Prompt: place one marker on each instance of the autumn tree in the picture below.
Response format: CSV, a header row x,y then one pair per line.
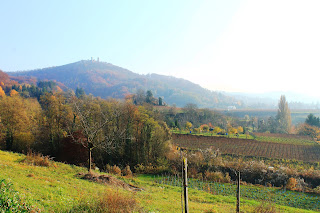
x,y
56,116
283,116
188,125
2,93
19,119
98,124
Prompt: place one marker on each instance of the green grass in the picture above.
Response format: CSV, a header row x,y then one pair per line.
x,y
282,140
271,194
184,132
59,189
296,141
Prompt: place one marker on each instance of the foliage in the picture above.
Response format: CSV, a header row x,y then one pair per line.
x,y
312,131
291,184
312,120
283,116
10,200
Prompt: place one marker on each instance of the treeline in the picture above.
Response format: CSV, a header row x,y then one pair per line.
x,y
71,128
30,91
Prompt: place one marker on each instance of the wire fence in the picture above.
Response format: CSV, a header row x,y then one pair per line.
x,y
269,194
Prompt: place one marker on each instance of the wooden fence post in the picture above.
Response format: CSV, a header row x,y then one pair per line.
x,y
185,181
238,192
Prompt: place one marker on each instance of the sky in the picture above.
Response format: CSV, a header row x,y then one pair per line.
x,y
230,45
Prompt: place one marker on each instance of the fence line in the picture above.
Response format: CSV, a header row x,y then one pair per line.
x,y
278,196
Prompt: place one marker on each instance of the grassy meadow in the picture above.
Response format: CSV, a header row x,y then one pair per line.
x,y
57,187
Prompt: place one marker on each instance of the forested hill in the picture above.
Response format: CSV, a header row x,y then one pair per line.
x,y
107,80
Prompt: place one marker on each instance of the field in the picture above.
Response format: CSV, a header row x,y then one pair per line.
x,y
58,188
281,149
284,138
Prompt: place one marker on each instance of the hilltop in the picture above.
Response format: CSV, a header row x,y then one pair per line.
x,y
107,80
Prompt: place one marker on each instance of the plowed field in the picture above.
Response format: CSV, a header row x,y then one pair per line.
x,y
250,147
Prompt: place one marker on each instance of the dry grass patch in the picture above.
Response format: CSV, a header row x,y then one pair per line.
x,y
37,159
108,179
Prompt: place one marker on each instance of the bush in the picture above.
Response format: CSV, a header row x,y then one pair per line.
x,y
113,170
217,177
127,171
291,184
37,159
10,200
150,169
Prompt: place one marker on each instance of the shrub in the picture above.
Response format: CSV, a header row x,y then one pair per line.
x,y
37,159
291,184
150,169
113,169
10,200
127,171
217,177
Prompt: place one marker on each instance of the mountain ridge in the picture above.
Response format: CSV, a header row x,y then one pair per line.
x,y
110,81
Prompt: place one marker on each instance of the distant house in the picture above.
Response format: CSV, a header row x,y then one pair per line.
x,y
231,107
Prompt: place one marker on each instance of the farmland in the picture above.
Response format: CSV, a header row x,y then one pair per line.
x,y
249,147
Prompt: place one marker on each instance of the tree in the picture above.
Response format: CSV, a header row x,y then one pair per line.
x,y
188,125
80,92
18,121
95,122
149,97
2,93
311,131
160,101
283,116
13,93
56,116
204,127
312,120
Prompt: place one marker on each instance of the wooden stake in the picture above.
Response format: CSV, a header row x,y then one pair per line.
x,y
238,193
185,181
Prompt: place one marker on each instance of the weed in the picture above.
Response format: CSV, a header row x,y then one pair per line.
x,y
10,200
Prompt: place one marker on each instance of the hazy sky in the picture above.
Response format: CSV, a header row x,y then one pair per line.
x,y
247,46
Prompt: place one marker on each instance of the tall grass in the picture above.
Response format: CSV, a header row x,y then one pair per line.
x,y
111,202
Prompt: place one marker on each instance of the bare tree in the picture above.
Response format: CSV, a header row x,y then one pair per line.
x,y
99,127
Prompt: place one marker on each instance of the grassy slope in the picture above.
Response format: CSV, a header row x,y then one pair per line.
x,y
58,189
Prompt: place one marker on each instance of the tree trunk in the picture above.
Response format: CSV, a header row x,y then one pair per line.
x,y
89,163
